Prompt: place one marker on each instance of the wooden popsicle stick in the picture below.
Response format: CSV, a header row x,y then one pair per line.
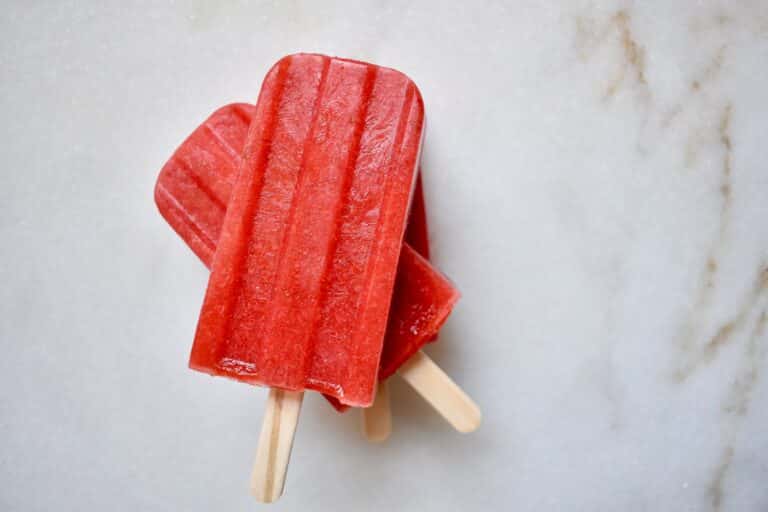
x,y
437,388
377,419
275,443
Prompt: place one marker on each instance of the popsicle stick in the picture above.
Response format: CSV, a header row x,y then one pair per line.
x,y
377,419
437,388
275,443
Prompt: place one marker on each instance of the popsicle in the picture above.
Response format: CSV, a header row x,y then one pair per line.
x,y
193,189
192,193
303,273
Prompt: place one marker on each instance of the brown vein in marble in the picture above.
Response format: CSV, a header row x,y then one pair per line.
x,y
634,56
715,490
724,131
741,395
590,35
701,80
751,21
741,388
710,270
711,71
587,36
725,333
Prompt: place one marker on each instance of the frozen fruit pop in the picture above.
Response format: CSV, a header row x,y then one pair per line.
x,y
271,155
302,277
193,189
192,193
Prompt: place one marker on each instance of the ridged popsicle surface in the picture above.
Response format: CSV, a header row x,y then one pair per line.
x,y
302,279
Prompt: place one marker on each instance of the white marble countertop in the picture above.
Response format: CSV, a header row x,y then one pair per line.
x,y
596,181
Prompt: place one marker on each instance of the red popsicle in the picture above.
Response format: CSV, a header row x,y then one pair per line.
x,y
302,277
422,297
308,158
193,190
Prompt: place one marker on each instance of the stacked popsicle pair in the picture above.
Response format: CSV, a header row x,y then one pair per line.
x,y
309,211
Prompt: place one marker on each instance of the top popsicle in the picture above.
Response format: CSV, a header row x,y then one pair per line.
x,y
303,274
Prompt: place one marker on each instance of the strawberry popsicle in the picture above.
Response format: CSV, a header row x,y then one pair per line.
x,y
321,193
302,277
192,192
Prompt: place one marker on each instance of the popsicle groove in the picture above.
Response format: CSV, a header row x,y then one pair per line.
x,y
282,176
283,270
299,182
365,99
387,180
361,214
186,217
244,116
354,245
226,146
240,250
199,183
370,263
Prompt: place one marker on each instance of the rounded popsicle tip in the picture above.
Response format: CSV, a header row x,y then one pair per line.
x,y
470,421
445,396
263,497
376,435
377,419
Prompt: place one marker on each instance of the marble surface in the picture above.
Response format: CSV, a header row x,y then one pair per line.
x,y
596,182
